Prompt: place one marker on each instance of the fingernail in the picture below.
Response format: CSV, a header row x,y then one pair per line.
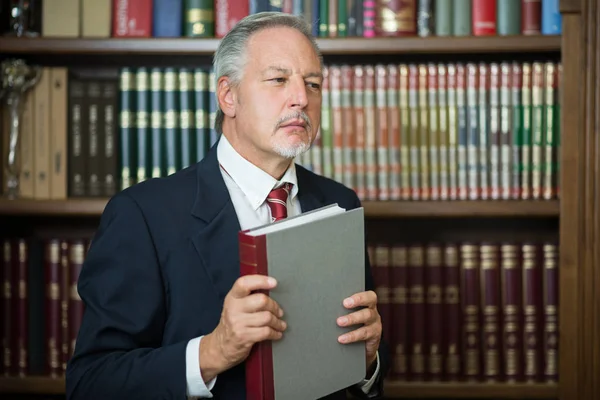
x,y
342,320
343,338
280,313
271,281
349,302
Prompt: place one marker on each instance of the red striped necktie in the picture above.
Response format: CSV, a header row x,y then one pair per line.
x,y
277,202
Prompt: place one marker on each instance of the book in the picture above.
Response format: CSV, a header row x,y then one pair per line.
x,y
318,259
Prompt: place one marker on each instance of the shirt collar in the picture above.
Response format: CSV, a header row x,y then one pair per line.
x,y
255,183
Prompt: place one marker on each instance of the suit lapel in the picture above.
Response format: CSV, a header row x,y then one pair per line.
x,y
216,241
309,195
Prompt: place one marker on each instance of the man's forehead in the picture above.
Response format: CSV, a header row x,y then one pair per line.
x,y
290,71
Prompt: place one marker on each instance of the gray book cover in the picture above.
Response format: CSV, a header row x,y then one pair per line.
x,y
317,265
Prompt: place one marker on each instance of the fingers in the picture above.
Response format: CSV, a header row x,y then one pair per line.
x,y
362,299
265,319
362,334
247,284
261,302
364,316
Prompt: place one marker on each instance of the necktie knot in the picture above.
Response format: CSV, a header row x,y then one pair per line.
x,y
277,202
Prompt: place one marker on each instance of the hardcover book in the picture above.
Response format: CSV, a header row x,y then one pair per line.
x,y
318,259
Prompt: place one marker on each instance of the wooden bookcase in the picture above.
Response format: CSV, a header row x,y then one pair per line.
x,y
574,220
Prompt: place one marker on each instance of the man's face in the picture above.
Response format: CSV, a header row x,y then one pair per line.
x,y
278,105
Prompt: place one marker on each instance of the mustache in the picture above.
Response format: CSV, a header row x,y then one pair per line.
x,y
295,115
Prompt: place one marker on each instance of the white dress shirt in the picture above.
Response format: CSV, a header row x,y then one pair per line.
x,y
248,188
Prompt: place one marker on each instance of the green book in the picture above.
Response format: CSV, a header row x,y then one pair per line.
x,y
508,14
537,129
126,125
186,120
171,120
461,17
157,122
525,141
199,20
142,124
516,129
443,16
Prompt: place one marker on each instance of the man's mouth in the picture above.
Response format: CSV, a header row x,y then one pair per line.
x,y
295,123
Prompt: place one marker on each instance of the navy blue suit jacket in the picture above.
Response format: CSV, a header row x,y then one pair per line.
x,y
162,260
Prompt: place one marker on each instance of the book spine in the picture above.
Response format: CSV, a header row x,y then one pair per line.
x,y
77,159
370,132
382,280
537,131
167,17
53,282
434,282
425,20
132,18
109,149
551,18
531,17
342,17
462,113
452,314
471,300
42,135
156,121
393,116
413,104
484,17
550,120
198,18
326,125
423,135
396,18
442,17
259,364
142,125
416,312
495,140
526,124
506,133
335,76
127,85
532,304
512,333
484,131
22,308
382,142
76,257
212,107
453,171
490,307
201,112
171,123
8,294
516,129
434,132
186,116
360,167
400,329
462,11
443,129
473,136
551,294
93,150
64,306
349,135
333,18
509,17
405,133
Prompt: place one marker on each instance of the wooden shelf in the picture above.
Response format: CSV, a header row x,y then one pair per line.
x,y
32,385
470,390
351,45
43,385
373,209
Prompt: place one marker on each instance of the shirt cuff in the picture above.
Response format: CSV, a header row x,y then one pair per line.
x,y
366,385
195,384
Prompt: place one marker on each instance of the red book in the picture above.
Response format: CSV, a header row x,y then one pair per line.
x,y
228,13
7,308
318,259
484,17
132,18
531,17
21,307
416,312
434,283
399,283
452,314
76,257
53,283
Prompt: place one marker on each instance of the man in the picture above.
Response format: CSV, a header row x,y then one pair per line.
x,y
167,314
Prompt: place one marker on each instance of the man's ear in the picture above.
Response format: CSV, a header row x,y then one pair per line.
x,y
226,96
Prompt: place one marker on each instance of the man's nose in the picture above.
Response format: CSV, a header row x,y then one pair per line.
x,y
298,96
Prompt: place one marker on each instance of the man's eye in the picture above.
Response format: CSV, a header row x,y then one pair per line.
x,y
314,85
278,80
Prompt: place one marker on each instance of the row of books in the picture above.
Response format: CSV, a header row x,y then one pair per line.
x,y
477,311
328,18
41,309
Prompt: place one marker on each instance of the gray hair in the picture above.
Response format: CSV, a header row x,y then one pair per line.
x,y
229,59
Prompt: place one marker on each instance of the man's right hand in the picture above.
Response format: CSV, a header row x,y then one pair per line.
x,y
247,318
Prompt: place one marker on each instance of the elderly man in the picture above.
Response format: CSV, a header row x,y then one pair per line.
x,y
167,314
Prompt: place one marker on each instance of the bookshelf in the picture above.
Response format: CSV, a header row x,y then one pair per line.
x,y
576,215
376,209
394,390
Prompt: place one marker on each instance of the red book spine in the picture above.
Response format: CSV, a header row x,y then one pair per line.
x,y
399,282
228,13
359,126
7,302
435,312
393,115
416,312
335,76
452,314
64,304
531,17
381,133
259,364
132,18
77,256
490,302
471,300
532,303
484,17
21,308
349,135
414,135
512,313
53,281
434,132
551,291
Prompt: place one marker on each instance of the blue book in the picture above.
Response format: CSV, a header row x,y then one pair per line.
x,y
551,18
167,18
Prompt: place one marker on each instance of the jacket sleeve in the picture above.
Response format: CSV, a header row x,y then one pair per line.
x,y
118,352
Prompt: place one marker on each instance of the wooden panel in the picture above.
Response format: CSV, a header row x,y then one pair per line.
x,y
570,218
194,47
570,6
469,391
38,385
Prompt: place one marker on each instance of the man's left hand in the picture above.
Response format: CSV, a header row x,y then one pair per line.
x,y
370,332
